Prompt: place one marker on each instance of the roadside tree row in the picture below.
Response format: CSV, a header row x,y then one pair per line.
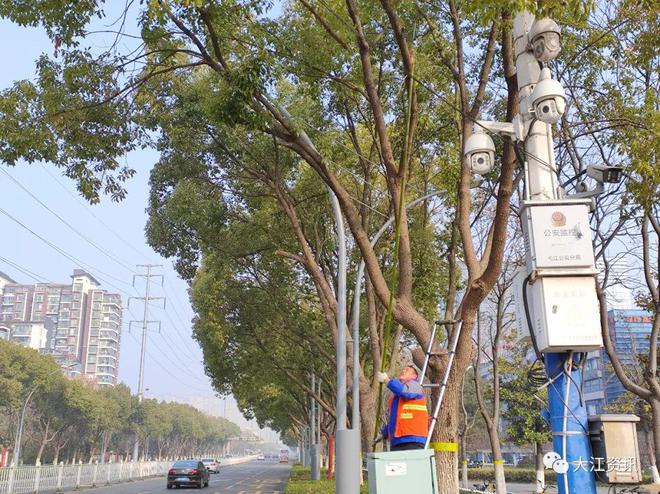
x,y
70,420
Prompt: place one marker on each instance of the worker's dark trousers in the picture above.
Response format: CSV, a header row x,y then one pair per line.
x,y
407,446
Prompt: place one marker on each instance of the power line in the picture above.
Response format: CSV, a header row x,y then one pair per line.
x,y
179,366
93,215
145,323
116,235
172,351
65,222
177,330
166,369
25,271
177,315
41,279
70,257
67,255
181,337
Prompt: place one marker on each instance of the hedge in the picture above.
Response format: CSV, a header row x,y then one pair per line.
x,y
524,475
300,483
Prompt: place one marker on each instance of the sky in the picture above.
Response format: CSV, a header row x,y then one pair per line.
x,y
173,368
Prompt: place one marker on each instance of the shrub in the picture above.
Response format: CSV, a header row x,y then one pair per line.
x,y
300,483
512,474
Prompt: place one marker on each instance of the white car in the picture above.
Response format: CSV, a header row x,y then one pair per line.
x,y
211,465
261,457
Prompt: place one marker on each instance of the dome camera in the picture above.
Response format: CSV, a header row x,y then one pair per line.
x,y
548,98
544,37
480,152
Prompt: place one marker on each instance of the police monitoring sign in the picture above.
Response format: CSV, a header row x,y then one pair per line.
x,y
559,236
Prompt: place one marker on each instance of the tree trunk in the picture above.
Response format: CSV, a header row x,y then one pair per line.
x,y
56,452
498,462
446,431
42,445
104,445
653,467
655,425
367,414
331,457
540,468
464,461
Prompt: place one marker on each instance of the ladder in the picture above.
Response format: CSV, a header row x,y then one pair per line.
x,y
445,378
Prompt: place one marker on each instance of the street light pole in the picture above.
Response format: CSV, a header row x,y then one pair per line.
x,y
19,432
314,447
348,440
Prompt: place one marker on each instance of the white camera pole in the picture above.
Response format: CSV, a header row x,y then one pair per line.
x,y
568,417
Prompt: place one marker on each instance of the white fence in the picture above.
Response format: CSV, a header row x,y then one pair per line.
x,y
53,478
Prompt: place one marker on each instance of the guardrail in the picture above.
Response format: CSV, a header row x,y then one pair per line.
x,y
58,478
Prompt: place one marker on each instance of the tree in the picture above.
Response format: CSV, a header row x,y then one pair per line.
x,y
497,321
81,422
264,79
614,121
524,411
121,424
25,374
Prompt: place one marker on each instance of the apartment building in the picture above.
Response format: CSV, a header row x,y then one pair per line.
x,y
78,323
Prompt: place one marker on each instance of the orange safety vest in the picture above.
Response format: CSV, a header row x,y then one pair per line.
x,y
412,417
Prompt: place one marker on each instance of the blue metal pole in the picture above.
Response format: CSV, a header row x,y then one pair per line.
x,y
568,420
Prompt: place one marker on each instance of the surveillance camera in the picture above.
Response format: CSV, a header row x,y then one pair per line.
x,y
548,98
605,174
480,152
544,37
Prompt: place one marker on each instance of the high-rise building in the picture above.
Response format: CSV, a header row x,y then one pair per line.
x,y
620,278
30,334
101,337
78,323
630,332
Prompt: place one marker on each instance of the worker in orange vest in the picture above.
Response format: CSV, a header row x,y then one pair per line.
x,y
408,423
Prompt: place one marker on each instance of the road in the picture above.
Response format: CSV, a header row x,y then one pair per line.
x,y
255,477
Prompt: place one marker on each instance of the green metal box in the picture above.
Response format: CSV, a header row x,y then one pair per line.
x,y
399,472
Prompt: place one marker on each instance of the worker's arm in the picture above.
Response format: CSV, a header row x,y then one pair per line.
x,y
411,390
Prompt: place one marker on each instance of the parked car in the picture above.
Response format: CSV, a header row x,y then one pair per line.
x,y
213,466
261,457
188,472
